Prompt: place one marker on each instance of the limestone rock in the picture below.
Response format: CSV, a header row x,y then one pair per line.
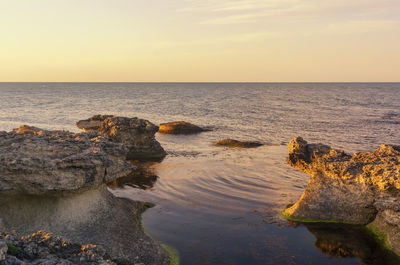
x,y
180,127
236,143
35,161
46,249
137,135
91,217
361,188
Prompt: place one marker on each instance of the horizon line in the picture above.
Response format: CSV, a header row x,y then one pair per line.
x,y
197,82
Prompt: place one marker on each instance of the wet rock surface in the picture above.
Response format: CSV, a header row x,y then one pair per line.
x,y
363,188
137,135
236,143
180,127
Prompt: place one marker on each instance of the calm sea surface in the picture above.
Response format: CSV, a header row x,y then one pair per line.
x,y
218,205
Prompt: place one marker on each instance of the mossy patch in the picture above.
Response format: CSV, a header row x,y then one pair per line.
x,y
148,205
380,236
173,254
12,249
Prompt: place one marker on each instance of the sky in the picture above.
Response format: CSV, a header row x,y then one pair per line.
x,y
200,40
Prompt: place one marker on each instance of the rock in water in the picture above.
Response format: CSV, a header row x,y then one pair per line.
x,y
180,127
136,134
236,143
35,161
56,181
362,188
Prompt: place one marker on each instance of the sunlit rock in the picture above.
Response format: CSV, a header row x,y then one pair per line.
x,y
236,143
180,127
35,161
137,135
56,181
45,248
362,188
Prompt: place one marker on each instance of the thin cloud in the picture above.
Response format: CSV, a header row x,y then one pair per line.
x,y
220,12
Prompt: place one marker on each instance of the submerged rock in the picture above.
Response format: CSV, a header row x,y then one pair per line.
x,y
135,134
236,143
362,188
180,127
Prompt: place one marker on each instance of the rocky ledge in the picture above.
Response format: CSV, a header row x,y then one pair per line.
x,y
135,134
56,181
363,188
34,161
180,127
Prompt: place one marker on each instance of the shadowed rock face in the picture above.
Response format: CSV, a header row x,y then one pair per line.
x,y
136,134
180,127
362,188
236,143
35,161
92,217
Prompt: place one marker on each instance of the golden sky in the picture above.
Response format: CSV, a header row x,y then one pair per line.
x,y
200,40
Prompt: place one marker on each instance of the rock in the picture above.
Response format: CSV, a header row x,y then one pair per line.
x,y
62,176
180,127
46,249
3,250
362,188
136,134
92,217
236,143
35,161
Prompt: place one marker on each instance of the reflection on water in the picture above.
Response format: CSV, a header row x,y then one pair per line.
x,y
142,178
218,209
217,205
340,240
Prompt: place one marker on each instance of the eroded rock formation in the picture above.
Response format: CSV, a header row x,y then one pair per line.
x,y
56,181
363,188
180,127
35,161
135,134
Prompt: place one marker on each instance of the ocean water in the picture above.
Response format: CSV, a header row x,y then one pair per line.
x,y
218,205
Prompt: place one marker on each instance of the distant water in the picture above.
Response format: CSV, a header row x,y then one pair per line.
x,y
218,205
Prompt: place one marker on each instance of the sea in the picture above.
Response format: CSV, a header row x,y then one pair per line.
x,y
218,205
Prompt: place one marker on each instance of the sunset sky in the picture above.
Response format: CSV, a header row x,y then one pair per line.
x,y
200,40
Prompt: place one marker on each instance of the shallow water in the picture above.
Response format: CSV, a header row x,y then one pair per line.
x,y
219,205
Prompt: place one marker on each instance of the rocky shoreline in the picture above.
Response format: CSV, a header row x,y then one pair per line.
x,y
55,181
360,189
